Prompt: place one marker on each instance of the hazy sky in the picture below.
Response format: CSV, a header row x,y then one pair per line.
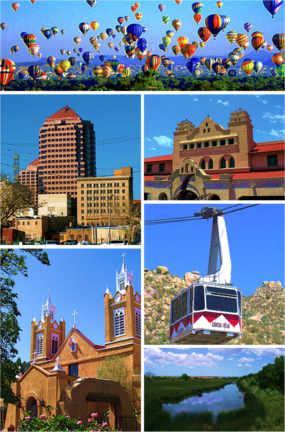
x,y
107,112
67,15
213,361
77,280
163,112
256,242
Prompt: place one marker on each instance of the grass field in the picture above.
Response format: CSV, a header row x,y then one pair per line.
x,y
261,412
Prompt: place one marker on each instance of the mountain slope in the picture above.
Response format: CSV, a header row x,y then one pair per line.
x,y
262,312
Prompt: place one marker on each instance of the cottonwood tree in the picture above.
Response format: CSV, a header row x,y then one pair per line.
x,y
128,216
15,198
12,263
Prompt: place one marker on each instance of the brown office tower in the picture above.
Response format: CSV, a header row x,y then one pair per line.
x,y
67,151
29,178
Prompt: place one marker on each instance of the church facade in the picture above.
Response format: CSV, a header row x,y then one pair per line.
x,y
61,364
225,164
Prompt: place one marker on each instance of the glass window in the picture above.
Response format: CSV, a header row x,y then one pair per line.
x,y
40,339
272,160
210,165
119,322
161,167
231,141
203,164
173,311
190,300
223,142
54,343
199,145
199,301
178,309
223,163
239,302
184,304
222,304
138,322
232,162
73,369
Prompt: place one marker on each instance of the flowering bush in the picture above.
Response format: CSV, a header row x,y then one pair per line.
x,y
60,423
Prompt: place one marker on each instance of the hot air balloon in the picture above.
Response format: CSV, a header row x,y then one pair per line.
x,y
162,47
226,63
257,40
110,45
103,36
269,48
23,74
188,50
176,24
258,66
209,64
193,64
281,70
204,34
51,62
84,28
127,18
94,25
47,33
15,6
247,66
197,72
161,7
176,49
142,44
62,32
234,58
3,26
197,18
196,44
178,2
97,71
279,41
14,49
182,41
34,71
217,68
231,36
219,4
34,49
106,71
166,41
7,70
273,6
91,3
241,39
118,28
29,39
202,60
33,1
277,59
215,24
232,73
169,33
68,53
77,40
64,65
197,7
165,19
239,51
72,61
226,21
153,62
58,72
88,57
138,16
62,51
134,31
248,26
110,31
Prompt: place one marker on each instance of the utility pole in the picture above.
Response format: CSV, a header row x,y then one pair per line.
x,y
109,207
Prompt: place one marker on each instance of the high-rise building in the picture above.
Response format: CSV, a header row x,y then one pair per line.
x,y
29,178
66,152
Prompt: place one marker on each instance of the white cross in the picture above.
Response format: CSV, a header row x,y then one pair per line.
x,y
75,313
35,353
123,255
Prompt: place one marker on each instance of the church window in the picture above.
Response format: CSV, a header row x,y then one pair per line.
x,y
40,338
73,347
122,285
232,162
138,322
54,343
73,369
119,322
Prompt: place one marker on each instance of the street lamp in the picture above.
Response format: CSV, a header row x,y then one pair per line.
x,y
109,207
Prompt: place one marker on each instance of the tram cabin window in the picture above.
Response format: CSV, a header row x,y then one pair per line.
x,y
221,304
184,304
190,300
199,301
178,309
239,302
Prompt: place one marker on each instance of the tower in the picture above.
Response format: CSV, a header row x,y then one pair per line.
x,y
47,335
122,311
240,123
183,131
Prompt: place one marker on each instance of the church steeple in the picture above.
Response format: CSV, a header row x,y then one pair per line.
x,y
48,309
124,278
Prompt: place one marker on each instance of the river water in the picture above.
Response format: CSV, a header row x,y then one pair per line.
x,y
226,399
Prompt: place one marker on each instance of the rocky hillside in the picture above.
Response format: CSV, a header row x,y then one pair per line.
x,y
263,312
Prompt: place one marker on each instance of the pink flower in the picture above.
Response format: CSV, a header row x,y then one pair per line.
x,y
79,422
93,415
67,416
28,418
104,424
90,420
42,416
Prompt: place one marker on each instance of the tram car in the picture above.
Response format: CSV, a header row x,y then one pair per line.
x,y
206,313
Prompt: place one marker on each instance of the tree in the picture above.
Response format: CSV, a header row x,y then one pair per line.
x,y
128,215
185,377
11,264
15,198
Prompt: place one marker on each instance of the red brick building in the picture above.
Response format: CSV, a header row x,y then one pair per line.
x,y
225,163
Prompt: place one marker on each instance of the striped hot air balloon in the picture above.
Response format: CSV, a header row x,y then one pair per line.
x,y
247,66
231,36
241,39
215,23
7,70
273,6
257,40
153,62
279,41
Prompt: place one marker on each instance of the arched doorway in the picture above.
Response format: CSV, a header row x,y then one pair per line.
x,y
32,406
214,197
162,196
105,406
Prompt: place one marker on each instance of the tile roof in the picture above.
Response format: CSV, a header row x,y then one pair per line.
x,y
35,162
159,158
269,147
65,113
259,174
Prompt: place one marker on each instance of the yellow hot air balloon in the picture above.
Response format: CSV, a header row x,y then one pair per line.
x,y
247,66
94,25
64,65
182,40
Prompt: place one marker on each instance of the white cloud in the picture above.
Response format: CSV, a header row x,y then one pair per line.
x,y
278,106
271,352
210,99
230,359
196,99
277,133
240,365
244,359
247,364
163,141
264,101
271,116
148,139
226,103
152,148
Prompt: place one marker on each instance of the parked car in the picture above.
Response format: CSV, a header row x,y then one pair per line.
x,y
48,242
70,242
116,243
84,242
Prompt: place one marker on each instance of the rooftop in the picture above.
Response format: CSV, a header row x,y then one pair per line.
x,y
160,158
65,113
269,147
35,162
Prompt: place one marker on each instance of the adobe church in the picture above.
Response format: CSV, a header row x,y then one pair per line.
x,y
63,369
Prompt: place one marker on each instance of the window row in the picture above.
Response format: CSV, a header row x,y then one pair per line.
x,y
206,144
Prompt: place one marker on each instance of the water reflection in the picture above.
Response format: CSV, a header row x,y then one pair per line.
x,y
226,399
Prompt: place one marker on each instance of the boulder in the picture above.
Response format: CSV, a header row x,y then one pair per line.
x,y
162,270
190,277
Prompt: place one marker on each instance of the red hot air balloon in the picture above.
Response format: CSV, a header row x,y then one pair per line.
x,y
7,70
204,34
15,6
197,18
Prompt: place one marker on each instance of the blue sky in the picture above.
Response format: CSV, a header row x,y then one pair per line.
x,y
256,241
106,112
77,280
213,361
162,113
67,15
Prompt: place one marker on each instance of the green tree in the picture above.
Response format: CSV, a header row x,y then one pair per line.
x,y
12,263
185,377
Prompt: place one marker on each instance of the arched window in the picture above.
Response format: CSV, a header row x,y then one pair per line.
x,y
203,164
210,164
223,163
119,322
187,168
232,162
